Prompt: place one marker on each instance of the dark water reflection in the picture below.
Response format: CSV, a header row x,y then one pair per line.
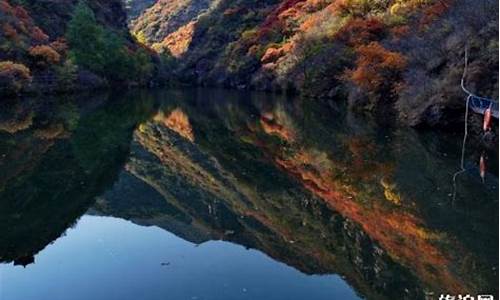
x,y
317,191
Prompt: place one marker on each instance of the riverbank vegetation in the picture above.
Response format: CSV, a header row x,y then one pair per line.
x,y
402,56
405,55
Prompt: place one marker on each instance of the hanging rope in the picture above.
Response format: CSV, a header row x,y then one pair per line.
x,y
466,128
478,103
464,75
464,142
470,96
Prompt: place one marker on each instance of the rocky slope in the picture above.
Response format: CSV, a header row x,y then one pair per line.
x,y
166,17
402,54
136,7
398,57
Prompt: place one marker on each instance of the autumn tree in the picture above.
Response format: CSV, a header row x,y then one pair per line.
x,y
360,8
60,45
376,67
38,35
358,31
306,49
13,77
44,55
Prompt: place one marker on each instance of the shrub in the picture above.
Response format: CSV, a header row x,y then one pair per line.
x,y
142,64
60,45
66,75
5,7
360,31
22,14
85,38
44,55
13,77
400,31
249,36
434,11
360,8
102,51
9,31
140,37
38,35
376,67
272,55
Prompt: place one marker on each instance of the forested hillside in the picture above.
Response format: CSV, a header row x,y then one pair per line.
x,y
402,55
56,46
405,53
166,17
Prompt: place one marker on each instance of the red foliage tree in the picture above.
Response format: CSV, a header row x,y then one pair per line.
x,y
359,31
9,31
60,45
38,35
435,10
22,14
400,31
273,22
5,7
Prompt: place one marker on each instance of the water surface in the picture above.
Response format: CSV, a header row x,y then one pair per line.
x,y
211,194
129,268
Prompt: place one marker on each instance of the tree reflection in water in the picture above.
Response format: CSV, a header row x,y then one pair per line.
x,y
306,184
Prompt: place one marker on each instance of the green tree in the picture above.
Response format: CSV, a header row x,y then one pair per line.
x,y
86,39
143,65
117,64
103,51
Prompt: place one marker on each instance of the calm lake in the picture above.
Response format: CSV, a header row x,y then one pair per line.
x,y
212,194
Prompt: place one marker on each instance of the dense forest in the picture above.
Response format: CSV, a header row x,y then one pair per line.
x,y
402,55
61,46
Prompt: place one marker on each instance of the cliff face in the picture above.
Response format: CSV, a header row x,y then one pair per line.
x,y
405,53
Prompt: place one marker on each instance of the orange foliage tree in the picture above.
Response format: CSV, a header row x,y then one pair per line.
x,y
376,67
44,55
13,77
5,7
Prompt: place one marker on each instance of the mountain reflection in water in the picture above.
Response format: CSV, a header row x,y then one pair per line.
x,y
309,186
